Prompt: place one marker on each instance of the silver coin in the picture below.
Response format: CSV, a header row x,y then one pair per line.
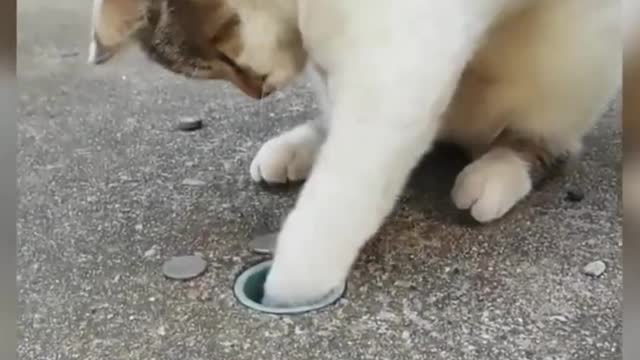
x,y
184,267
189,124
264,244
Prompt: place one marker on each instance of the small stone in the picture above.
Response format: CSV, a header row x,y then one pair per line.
x,y
184,267
193,182
575,195
94,309
138,227
559,318
70,54
162,331
151,252
404,284
264,244
188,123
595,269
452,270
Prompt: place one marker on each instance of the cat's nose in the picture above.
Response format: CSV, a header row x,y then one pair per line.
x,y
262,92
255,87
267,90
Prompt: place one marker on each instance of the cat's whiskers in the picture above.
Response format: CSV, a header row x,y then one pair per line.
x,y
196,70
261,105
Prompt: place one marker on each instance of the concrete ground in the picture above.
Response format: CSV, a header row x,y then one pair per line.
x,y
100,171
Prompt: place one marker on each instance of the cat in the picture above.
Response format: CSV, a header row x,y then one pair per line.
x,y
518,83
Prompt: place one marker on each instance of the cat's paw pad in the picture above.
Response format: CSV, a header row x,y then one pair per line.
x,y
288,157
492,185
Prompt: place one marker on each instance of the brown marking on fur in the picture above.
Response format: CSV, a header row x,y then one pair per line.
x,y
195,38
118,20
542,162
472,102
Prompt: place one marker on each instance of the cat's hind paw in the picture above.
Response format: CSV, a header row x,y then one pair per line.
x,y
491,185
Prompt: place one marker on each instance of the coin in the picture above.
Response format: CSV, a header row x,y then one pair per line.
x,y
264,244
184,267
189,124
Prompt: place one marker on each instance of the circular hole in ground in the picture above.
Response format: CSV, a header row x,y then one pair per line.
x,y
249,290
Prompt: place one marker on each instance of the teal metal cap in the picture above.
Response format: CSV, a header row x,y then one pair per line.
x,y
249,290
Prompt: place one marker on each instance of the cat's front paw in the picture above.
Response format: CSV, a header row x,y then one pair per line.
x,y
292,295
308,265
492,185
287,287
287,157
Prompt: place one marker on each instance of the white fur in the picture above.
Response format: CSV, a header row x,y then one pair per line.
x,y
288,157
491,185
392,71
93,54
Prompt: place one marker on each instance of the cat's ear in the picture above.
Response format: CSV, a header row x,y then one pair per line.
x,y
113,24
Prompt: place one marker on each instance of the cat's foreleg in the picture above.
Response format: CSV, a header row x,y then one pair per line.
x,y
378,134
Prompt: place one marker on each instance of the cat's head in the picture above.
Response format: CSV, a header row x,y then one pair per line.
x,y
254,44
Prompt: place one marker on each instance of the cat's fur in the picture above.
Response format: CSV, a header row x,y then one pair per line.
x,y
516,82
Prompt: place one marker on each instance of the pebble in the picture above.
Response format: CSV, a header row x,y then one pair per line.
x,y
69,54
575,195
188,123
193,182
184,267
559,318
264,244
151,252
403,284
595,269
162,331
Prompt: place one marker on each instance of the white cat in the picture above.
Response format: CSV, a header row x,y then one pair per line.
x,y
516,82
